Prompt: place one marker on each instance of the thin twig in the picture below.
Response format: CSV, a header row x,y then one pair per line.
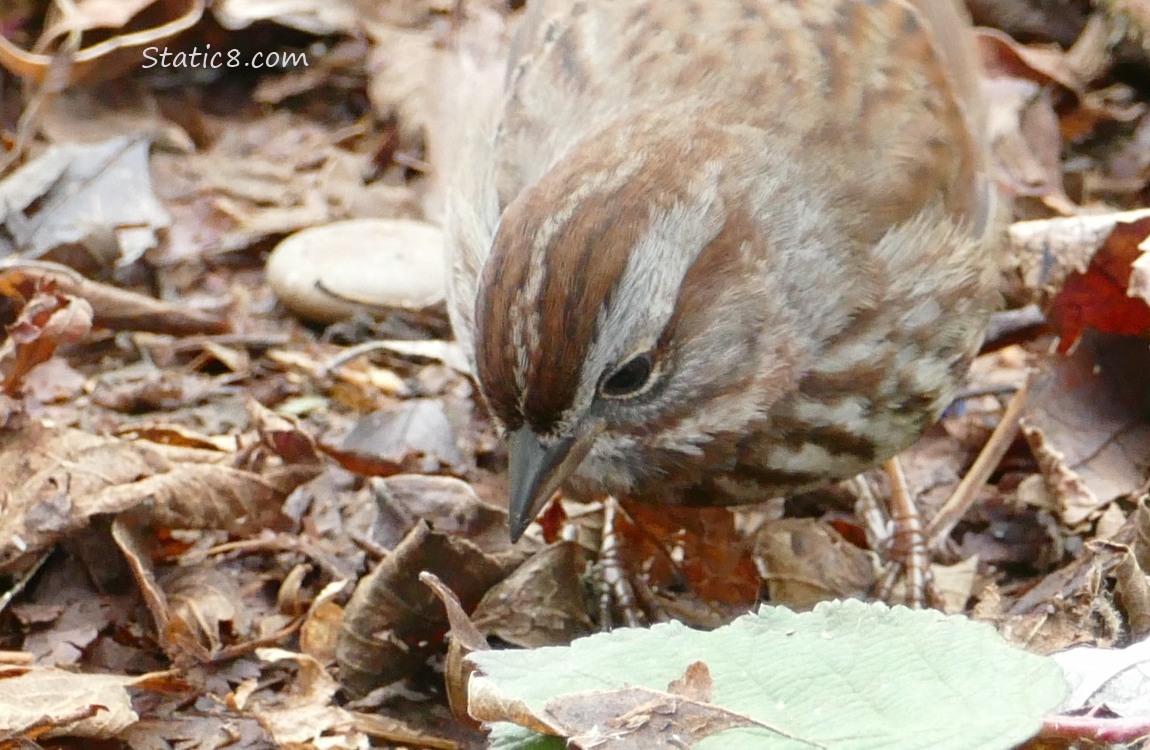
x,y
953,510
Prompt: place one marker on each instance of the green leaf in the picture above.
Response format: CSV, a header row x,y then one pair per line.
x,y
847,675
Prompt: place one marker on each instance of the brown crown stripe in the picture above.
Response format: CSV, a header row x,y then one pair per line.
x,y
494,319
705,283
581,276
584,259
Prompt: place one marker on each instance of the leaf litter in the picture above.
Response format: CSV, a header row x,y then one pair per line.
x,y
216,514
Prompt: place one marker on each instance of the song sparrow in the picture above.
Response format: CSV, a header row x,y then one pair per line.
x,y
716,251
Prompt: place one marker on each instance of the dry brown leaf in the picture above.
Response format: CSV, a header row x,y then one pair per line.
x,y
259,180
450,505
177,435
134,545
804,561
76,622
416,436
319,631
407,731
53,480
89,202
465,639
306,714
698,545
283,435
206,611
1112,294
1086,423
1045,253
61,478
543,603
1024,138
222,730
1132,590
47,320
146,389
394,621
73,705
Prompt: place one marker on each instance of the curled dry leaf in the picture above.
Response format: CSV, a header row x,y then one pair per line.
x,y
1024,137
450,505
112,308
109,57
177,435
543,603
1132,588
319,632
206,612
465,639
393,621
283,435
47,320
1071,69
1025,84
56,483
306,715
1045,253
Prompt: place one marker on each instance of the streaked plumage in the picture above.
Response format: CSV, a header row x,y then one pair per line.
x,y
784,203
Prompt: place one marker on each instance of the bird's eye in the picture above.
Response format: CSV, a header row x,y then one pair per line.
x,y
630,378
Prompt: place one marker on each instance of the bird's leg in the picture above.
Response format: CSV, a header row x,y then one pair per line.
x,y
907,550
897,533
616,592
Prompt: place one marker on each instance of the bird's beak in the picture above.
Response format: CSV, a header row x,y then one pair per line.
x,y
537,471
